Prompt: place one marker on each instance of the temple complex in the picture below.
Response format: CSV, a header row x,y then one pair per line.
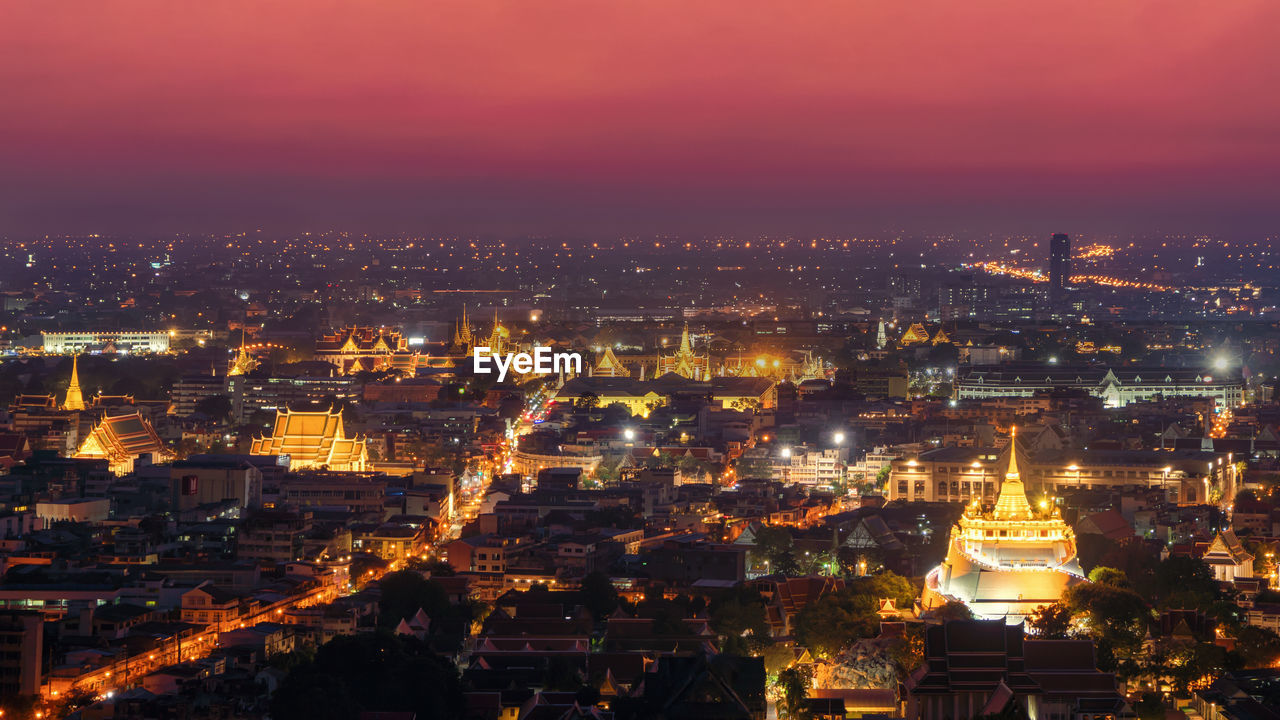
x,y
357,349
685,362
688,363
313,440
1007,562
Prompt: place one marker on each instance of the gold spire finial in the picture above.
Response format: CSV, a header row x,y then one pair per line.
x,y
1012,472
75,398
1012,504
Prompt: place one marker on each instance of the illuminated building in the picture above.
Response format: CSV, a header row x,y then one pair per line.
x,y
121,439
499,337
75,399
45,426
244,362
357,349
124,341
1007,562
1227,558
1117,386
684,362
792,369
965,475
189,391
609,366
641,396
250,394
462,336
313,440
915,335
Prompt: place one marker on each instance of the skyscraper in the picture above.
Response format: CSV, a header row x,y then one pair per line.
x,y
1059,265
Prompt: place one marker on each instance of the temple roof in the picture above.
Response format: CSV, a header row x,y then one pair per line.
x,y
121,438
312,439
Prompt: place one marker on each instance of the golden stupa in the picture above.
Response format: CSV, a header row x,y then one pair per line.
x,y
1007,562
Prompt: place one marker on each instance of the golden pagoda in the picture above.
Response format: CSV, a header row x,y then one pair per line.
x,y
75,398
684,362
1007,562
244,362
498,337
120,440
313,440
462,338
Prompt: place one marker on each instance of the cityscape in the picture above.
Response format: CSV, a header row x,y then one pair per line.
x,y
579,383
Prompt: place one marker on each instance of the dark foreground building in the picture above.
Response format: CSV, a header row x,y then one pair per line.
x,y
985,667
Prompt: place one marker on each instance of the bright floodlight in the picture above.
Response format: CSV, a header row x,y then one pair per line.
x,y
838,437
786,452
1220,362
629,434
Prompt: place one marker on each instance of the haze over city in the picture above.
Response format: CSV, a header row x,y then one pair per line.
x,y
600,119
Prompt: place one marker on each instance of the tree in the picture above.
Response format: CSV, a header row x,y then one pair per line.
x,y
907,651
777,657
737,612
1117,618
1051,622
370,672
794,683
952,610
751,467
599,596
772,543
1184,582
1109,576
1150,707
831,623
882,477
217,407
404,592
1257,647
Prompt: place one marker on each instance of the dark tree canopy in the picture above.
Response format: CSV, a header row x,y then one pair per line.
x,y
370,672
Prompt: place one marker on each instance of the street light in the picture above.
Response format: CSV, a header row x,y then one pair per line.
x,y
629,434
838,437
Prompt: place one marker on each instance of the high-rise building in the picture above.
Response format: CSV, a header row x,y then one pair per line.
x,y
1059,265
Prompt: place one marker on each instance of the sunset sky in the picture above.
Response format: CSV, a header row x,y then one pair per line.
x,y
640,116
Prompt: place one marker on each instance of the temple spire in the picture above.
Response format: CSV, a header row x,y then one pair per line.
x,y
1012,503
244,363
75,398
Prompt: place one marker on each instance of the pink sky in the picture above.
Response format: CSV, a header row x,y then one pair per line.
x,y
636,114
